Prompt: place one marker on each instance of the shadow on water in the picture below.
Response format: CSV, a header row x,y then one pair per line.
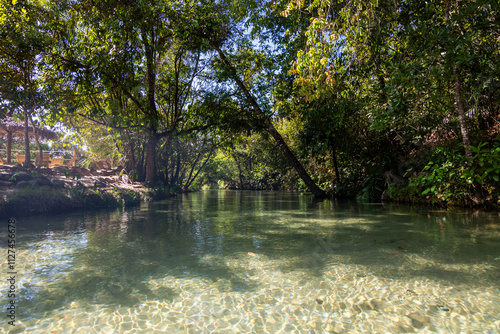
x,y
107,257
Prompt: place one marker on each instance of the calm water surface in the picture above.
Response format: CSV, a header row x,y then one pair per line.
x,y
235,262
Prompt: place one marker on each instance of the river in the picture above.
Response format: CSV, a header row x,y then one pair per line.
x,y
261,262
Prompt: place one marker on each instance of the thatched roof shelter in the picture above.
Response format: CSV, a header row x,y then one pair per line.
x,y
10,129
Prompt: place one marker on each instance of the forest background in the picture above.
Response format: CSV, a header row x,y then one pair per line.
x,y
359,98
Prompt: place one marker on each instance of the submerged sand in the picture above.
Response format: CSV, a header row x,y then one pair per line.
x,y
321,293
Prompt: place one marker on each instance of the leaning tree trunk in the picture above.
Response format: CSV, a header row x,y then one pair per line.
x,y
316,191
191,180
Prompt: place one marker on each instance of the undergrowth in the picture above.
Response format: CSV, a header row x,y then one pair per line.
x,y
36,200
450,178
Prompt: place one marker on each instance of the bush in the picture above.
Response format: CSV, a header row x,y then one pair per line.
x,y
452,179
348,188
31,201
161,192
41,200
371,189
127,197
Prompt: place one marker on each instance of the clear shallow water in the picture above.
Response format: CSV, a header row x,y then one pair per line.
x,y
233,262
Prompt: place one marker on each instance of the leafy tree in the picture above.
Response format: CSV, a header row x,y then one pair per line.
x,y
22,49
208,26
128,70
409,68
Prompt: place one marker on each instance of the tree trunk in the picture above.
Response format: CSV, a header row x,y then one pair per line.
x,y
9,147
166,158
152,112
335,163
175,177
141,172
190,181
27,160
131,153
461,112
458,91
316,191
151,157
240,172
40,149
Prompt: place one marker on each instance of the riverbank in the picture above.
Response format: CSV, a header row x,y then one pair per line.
x,y
48,190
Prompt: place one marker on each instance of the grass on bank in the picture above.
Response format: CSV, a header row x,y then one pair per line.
x,y
42,200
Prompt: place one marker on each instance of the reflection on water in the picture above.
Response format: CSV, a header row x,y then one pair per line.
x,y
220,261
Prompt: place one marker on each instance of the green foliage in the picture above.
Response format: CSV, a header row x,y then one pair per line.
x,y
367,83
130,198
160,191
484,167
252,162
405,194
371,189
452,178
349,187
353,87
92,199
126,197
35,201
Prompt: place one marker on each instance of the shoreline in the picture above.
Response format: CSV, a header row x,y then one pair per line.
x,y
25,192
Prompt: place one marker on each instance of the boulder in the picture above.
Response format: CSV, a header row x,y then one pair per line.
x,y
5,177
59,184
108,179
43,181
22,185
45,171
79,170
33,183
23,176
6,184
59,168
100,183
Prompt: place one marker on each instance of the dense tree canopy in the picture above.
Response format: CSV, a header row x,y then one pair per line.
x,y
348,97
